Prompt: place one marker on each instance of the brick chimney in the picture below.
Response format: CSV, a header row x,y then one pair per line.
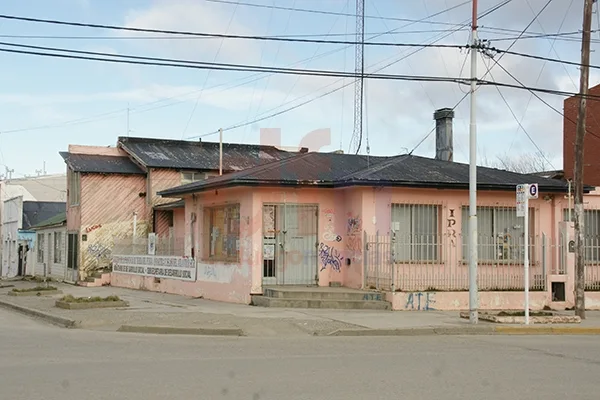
x,y
444,148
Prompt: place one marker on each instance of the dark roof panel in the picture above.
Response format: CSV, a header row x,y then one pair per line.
x,y
338,170
35,212
59,219
184,154
100,164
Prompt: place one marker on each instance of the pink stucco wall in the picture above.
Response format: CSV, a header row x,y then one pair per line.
x,y
343,217
456,301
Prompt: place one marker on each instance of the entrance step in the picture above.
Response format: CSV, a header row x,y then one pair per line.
x,y
333,298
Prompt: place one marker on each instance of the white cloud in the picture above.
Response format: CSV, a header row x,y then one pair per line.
x,y
197,16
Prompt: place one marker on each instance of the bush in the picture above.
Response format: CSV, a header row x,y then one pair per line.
x,y
35,289
71,299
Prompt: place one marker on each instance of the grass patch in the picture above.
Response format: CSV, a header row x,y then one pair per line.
x,y
72,299
522,314
35,289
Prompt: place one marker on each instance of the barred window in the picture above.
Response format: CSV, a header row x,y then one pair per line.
x,y
591,232
74,187
222,233
500,234
415,229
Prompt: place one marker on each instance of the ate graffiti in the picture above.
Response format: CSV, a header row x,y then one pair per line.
x,y
425,305
330,257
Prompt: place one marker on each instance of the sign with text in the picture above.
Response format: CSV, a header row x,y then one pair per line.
x,y
521,200
156,266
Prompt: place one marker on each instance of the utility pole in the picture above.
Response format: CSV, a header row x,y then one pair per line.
x,y
578,170
473,292
220,151
128,130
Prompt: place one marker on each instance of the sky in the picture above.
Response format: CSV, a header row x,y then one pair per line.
x,y
48,103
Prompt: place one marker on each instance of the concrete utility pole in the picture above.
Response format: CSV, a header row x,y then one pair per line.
x,y
473,292
220,151
578,170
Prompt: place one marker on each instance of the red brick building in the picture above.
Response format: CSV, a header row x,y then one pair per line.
x,y
591,155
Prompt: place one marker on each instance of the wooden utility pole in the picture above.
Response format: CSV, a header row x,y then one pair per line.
x,y
578,170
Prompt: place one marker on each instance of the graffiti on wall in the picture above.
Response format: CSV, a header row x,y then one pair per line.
x,y
98,250
354,247
354,225
420,301
450,227
92,228
330,235
330,257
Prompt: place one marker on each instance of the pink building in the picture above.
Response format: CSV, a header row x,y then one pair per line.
x,y
393,227
393,224
112,198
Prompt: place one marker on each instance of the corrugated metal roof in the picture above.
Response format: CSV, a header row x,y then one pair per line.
x,y
58,219
170,206
100,164
182,154
338,170
35,212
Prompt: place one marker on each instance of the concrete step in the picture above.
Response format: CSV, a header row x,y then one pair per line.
x,y
323,294
263,301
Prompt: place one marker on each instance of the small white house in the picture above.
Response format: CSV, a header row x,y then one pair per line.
x,y
50,258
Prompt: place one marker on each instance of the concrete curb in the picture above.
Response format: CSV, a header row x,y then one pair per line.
x,y
53,319
425,331
476,330
171,330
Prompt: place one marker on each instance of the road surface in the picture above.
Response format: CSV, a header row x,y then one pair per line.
x,y
40,361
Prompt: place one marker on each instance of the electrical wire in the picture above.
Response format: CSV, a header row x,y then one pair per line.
x,y
138,60
206,35
521,85
552,43
255,77
187,124
520,124
323,12
245,123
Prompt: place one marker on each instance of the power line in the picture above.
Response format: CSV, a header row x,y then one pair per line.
x,y
552,43
323,12
258,75
138,60
245,123
170,62
520,124
187,37
521,85
202,34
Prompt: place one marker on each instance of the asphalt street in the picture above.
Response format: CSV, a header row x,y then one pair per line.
x,y
40,361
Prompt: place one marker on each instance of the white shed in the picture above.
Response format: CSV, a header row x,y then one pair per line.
x,y
51,250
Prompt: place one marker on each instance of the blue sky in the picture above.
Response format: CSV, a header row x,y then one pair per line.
x,y
82,102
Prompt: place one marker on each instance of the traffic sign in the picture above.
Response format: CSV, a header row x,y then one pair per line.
x,y
533,191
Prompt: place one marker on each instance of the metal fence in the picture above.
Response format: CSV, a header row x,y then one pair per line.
x,y
164,246
438,262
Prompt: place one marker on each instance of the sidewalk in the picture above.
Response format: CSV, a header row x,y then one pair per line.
x,y
166,313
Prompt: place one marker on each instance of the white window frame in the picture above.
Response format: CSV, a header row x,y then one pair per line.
x,y
415,234
41,242
212,234
58,247
193,176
